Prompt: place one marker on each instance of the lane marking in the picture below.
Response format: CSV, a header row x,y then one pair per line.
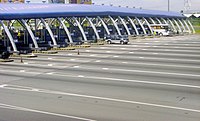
x,y
50,58
22,71
125,62
69,54
72,59
98,61
103,98
12,107
105,68
115,56
76,66
50,64
133,81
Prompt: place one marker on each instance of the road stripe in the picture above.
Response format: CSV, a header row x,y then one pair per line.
x,y
12,107
103,98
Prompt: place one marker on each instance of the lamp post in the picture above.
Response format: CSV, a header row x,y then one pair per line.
x,y
168,5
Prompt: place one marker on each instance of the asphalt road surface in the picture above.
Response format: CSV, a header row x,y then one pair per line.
x,y
155,79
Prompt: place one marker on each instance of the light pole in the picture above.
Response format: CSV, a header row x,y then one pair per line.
x,y
168,5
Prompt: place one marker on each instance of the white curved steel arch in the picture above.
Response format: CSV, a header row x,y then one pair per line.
x,y
80,28
30,33
49,31
148,25
94,28
116,26
9,36
177,25
66,30
125,26
133,24
141,25
104,25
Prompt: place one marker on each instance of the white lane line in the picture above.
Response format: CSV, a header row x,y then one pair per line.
x,y
72,59
124,62
87,50
131,52
103,98
22,71
26,63
92,55
50,58
50,64
105,68
98,61
133,81
12,107
141,57
108,51
76,66
69,54
115,56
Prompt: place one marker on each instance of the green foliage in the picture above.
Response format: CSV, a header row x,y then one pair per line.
x,y
196,23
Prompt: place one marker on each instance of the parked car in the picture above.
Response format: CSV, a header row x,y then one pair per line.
x,y
116,39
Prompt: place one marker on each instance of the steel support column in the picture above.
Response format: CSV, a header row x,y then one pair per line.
x,y
125,26
9,36
182,25
30,33
93,27
80,28
134,26
188,28
66,30
104,25
159,21
148,25
172,24
115,24
152,20
49,31
191,26
141,25
177,25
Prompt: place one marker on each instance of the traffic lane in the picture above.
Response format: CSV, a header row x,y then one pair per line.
x,y
144,49
112,74
9,114
97,108
67,61
176,96
177,60
98,64
142,53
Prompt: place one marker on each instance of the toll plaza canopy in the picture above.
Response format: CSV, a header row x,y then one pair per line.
x,y
31,11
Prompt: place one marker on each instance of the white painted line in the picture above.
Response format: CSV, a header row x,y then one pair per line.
x,y
144,49
76,66
50,73
50,58
81,76
115,56
87,50
50,64
22,71
108,51
12,107
131,52
155,53
3,85
104,98
92,55
25,63
105,68
98,61
72,59
69,54
125,62
141,57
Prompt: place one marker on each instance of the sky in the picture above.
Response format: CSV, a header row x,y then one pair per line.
x,y
175,5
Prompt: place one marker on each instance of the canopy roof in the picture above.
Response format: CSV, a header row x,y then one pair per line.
x,y
28,11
